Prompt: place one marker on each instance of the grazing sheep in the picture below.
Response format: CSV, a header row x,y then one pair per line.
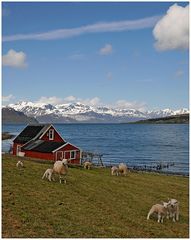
x,y
19,164
160,209
61,168
48,174
87,165
115,171
173,209
123,169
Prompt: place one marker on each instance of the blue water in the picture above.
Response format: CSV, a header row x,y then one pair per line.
x,y
134,144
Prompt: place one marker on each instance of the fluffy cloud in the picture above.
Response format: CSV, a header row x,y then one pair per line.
x,y
89,101
172,30
179,73
141,106
106,50
50,100
76,56
70,99
7,98
94,101
109,76
14,59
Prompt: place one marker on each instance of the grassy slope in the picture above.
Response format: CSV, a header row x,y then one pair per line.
x,y
91,204
183,118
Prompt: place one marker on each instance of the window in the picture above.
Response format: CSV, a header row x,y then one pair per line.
x,y
51,134
72,154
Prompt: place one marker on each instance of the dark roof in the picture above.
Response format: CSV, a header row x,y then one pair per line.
x,y
43,146
30,132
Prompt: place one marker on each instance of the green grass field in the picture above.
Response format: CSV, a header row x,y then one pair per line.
x,y
92,203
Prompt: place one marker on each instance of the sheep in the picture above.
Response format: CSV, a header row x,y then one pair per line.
x,y
87,165
160,209
123,169
173,209
19,164
115,171
48,174
61,168
175,205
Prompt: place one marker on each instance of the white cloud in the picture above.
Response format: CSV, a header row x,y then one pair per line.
x,y
87,101
94,101
172,31
50,100
122,104
76,56
14,59
109,76
70,99
7,98
106,50
117,26
179,73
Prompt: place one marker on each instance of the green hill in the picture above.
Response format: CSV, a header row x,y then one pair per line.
x,y
93,204
183,118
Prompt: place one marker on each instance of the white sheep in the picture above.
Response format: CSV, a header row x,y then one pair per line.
x,y
87,165
160,209
115,171
61,168
48,174
173,209
123,169
19,164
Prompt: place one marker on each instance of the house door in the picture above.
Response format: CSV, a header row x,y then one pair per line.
x,y
59,155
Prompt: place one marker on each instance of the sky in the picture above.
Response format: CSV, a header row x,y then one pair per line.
x,y
124,55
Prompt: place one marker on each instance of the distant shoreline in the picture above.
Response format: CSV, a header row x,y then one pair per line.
x,y
177,119
7,135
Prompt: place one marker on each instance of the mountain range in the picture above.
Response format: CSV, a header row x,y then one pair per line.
x,y
78,112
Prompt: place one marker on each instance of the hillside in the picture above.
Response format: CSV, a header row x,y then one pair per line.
x,y
92,203
11,116
184,118
6,135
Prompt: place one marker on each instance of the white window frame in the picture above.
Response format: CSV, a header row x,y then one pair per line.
x,y
73,151
70,154
51,134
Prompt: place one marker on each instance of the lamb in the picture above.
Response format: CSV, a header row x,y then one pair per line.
x,y
61,168
87,165
115,171
173,209
19,164
123,169
160,209
48,174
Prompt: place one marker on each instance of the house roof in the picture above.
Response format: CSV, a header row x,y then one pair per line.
x,y
31,132
42,146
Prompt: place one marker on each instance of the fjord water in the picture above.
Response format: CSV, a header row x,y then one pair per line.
x,y
134,144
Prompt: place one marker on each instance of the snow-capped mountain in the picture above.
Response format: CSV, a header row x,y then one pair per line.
x,y
78,112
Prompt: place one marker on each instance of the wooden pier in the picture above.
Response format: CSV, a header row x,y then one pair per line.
x,y
95,158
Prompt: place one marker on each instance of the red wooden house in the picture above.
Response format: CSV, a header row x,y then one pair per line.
x,y
42,141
